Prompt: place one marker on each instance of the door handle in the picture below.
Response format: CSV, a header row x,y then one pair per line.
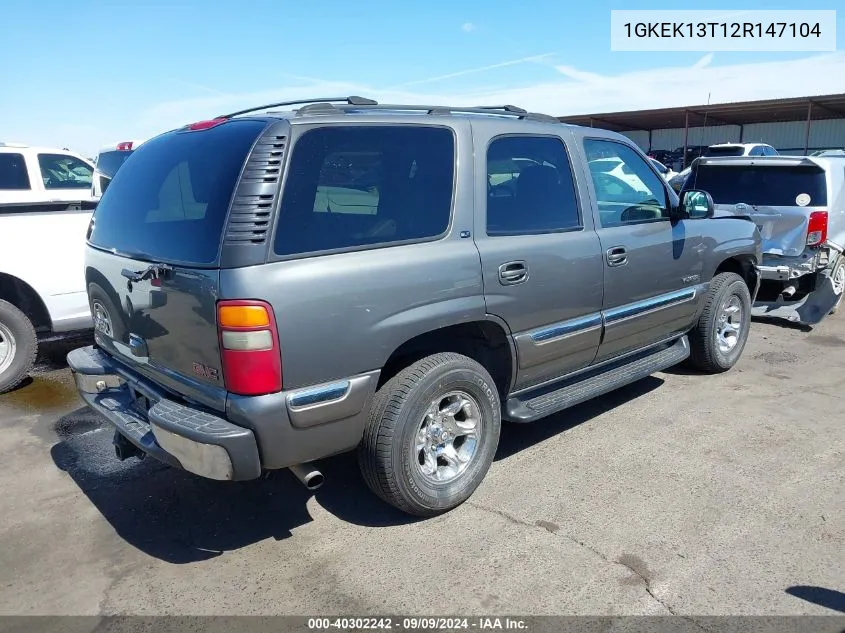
x,y
616,256
513,273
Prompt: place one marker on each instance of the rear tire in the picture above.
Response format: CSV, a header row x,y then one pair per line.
x,y
838,277
432,434
720,334
18,346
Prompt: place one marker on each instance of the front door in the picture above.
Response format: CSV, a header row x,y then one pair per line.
x,y
652,267
540,255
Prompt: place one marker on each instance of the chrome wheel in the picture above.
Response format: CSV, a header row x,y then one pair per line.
x,y
729,324
839,279
102,319
448,437
7,347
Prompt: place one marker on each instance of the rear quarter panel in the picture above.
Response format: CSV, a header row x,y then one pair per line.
x,y
726,238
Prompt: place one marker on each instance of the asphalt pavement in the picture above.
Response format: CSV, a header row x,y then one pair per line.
x,y
682,493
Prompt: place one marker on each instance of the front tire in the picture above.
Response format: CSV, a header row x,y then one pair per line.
x,y
18,346
720,334
432,434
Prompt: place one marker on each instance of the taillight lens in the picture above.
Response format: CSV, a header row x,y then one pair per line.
x,y
249,347
204,125
817,228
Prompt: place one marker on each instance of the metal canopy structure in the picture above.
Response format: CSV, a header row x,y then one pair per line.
x,y
740,113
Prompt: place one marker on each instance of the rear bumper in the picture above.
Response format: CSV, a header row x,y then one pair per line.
x,y
183,437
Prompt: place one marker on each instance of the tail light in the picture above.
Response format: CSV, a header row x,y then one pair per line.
x,y
125,146
204,125
249,347
817,228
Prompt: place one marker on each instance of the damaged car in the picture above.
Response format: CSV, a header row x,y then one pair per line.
x,y
798,205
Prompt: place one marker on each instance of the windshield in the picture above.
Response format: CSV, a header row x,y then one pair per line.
x,y
109,162
729,150
169,203
775,186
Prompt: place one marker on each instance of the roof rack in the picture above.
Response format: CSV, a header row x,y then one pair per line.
x,y
351,100
325,107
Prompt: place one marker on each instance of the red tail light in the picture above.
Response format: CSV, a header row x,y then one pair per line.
x,y
125,146
249,347
204,125
817,228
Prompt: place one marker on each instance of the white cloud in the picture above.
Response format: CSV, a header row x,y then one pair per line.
x,y
569,90
468,27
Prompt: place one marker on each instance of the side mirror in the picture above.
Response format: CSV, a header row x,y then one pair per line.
x,y
696,205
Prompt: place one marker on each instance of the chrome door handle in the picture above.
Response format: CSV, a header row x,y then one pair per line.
x,y
616,256
512,273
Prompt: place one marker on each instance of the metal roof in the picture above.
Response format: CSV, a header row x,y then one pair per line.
x,y
738,113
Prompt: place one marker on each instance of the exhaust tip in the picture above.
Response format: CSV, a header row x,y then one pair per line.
x,y
310,477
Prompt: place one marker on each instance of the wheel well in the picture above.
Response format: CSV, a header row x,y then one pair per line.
x,y
21,295
484,341
742,266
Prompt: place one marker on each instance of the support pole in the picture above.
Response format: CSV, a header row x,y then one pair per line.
x,y
741,131
686,138
807,127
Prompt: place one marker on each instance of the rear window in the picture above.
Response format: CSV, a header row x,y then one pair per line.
x,y
13,174
109,162
170,202
731,150
358,186
774,186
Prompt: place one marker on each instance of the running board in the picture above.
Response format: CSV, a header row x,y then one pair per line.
x,y
590,384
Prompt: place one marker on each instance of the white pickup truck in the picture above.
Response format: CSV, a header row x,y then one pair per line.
x,y
46,205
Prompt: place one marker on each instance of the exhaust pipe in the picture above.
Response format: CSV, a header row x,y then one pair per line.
x,y
788,291
308,474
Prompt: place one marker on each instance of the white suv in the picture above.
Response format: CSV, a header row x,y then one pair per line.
x,y
740,149
42,174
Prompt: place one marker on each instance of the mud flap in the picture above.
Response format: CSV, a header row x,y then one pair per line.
x,y
810,310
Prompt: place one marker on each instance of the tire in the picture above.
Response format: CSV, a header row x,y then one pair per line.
x,y
18,346
706,354
108,318
389,455
838,271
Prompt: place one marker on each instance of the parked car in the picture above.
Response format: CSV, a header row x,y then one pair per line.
x,y
798,204
108,161
353,283
45,209
740,149
677,181
663,170
42,175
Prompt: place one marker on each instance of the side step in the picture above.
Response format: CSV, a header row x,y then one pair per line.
x,y
594,382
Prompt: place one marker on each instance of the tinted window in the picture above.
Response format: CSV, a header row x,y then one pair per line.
x,y
109,162
169,202
728,150
634,194
758,185
13,174
60,171
529,187
356,186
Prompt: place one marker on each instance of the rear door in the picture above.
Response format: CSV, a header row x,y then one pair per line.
x,y
540,256
167,206
778,194
652,268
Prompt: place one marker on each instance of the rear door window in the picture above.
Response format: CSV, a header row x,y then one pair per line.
x,y
358,186
774,185
13,174
61,171
170,202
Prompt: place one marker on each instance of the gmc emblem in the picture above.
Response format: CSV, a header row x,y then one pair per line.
x,y
204,371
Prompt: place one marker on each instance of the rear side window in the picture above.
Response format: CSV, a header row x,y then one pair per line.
x,y
774,186
109,162
169,203
358,186
60,171
529,186
13,174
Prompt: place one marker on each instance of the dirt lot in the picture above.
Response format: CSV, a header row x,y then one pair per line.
x,y
683,493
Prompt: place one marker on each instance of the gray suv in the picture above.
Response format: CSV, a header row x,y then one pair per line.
x,y
271,288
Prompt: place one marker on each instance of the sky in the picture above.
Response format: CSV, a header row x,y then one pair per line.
x,y
85,74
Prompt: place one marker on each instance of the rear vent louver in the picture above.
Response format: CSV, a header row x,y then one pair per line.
x,y
255,198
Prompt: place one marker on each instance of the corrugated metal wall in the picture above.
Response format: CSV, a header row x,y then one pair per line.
x,y
783,136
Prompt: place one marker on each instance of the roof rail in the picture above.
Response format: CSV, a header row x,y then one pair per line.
x,y
505,110
351,100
